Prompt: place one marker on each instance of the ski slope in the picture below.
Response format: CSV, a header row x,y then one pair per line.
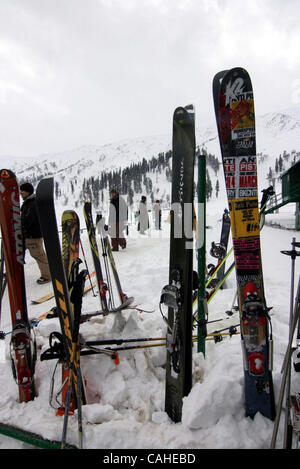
x,y
126,401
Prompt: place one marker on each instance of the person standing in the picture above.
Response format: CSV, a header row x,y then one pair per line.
x,y
157,215
117,220
143,224
31,231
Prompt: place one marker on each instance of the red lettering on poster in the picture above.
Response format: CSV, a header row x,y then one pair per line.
x,y
248,166
248,181
230,182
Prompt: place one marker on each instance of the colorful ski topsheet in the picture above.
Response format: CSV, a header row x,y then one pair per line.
x,y
10,221
237,138
70,239
179,338
70,256
236,127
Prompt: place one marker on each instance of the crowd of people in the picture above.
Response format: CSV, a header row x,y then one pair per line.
x,y
118,218
117,224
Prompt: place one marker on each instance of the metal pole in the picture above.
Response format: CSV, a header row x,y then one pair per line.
x,y
286,367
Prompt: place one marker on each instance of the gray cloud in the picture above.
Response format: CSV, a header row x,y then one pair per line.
x,y
88,72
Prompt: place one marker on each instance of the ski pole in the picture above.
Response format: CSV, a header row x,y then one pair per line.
x,y
293,254
230,312
87,267
211,336
149,339
226,257
286,366
218,268
227,273
79,407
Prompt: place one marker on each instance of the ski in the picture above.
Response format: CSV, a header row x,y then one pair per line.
x,y
87,211
2,276
69,317
107,252
235,118
52,313
211,293
23,352
70,256
125,305
70,239
177,296
225,231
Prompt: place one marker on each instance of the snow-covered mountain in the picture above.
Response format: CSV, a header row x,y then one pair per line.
x,y
277,134
125,407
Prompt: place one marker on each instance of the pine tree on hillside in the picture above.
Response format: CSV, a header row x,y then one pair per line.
x,y
209,188
217,188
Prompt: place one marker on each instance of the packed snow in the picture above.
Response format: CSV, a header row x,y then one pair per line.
x,y
126,401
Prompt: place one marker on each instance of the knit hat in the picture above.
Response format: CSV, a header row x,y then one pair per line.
x,y
27,187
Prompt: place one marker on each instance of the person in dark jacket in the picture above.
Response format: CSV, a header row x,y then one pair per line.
x,y
31,231
157,215
117,220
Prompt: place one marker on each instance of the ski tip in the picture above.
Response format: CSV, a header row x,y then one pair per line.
x,y
182,113
45,183
6,174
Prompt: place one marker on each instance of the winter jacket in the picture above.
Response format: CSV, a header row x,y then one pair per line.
x,y
29,218
118,212
143,217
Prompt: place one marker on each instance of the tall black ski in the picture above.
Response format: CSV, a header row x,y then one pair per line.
x,y
22,352
178,294
235,117
87,211
69,318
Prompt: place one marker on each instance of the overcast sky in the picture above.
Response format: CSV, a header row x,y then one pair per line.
x,y
77,72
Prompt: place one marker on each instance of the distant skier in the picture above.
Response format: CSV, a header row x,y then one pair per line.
x,y
143,223
267,194
31,231
117,220
157,215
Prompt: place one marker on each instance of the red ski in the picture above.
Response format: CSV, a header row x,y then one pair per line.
x,y
23,357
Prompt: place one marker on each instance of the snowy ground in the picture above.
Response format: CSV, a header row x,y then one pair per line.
x,y
126,407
